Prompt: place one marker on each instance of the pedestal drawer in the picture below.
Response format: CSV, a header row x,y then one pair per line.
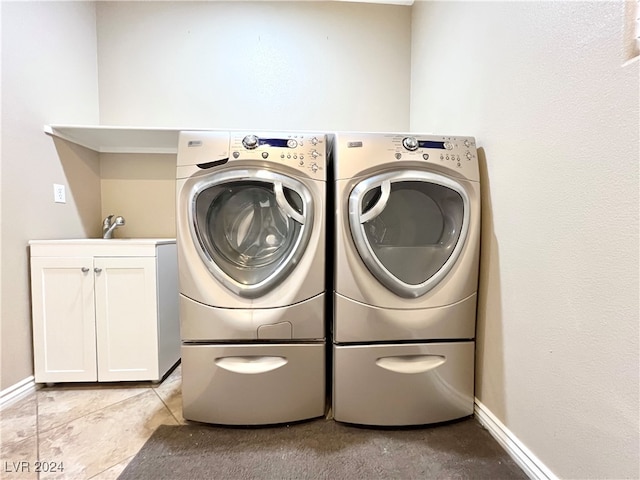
x,y
253,384
403,384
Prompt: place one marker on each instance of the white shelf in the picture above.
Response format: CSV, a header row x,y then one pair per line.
x,y
108,139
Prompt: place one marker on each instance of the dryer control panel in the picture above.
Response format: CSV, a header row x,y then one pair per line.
x,y
303,151
452,152
360,151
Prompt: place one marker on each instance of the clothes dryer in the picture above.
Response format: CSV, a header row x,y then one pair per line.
x,y
251,258
407,236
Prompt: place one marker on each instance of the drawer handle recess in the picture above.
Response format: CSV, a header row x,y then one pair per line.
x,y
411,363
250,364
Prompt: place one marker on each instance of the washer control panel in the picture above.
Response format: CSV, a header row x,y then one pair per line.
x,y
302,151
452,152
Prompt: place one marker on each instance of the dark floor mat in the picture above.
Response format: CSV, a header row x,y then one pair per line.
x,y
322,449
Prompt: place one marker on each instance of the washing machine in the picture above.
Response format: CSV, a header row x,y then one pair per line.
x,y
407,237
251,260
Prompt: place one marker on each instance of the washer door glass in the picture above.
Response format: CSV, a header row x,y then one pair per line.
x,y
409,228
251,228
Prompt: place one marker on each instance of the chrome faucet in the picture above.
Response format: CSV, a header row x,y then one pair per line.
x,y
108,227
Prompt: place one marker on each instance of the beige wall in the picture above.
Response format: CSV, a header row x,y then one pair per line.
x,y
49,74
264,65
544,88
142,189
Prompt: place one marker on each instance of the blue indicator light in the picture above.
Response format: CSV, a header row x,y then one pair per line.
x,y
273,142
430,144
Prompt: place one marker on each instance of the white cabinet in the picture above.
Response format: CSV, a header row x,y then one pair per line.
x,y
104,310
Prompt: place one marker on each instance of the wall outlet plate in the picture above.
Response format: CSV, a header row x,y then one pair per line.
x,y
59,193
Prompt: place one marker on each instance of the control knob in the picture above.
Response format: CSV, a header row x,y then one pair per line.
x,y
314,141
314,167
410,143
250,142
291,143
315,154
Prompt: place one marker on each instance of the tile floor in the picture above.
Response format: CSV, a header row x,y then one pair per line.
x,y
94,430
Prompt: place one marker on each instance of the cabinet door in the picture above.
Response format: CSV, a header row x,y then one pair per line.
x,y
126,318
63,319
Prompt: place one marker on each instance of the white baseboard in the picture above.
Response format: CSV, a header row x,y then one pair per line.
x,y
531,465
17,391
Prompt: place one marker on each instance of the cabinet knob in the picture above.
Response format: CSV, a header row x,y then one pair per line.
x,y
85,269
97,270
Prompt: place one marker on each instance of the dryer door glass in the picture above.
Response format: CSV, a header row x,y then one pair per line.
x,y
252,231
409,228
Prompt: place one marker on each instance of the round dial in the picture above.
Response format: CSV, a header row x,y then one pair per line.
x,y
291,143
250,142
410,143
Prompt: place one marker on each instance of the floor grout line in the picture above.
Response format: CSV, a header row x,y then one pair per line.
x,y
110,467
167,407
